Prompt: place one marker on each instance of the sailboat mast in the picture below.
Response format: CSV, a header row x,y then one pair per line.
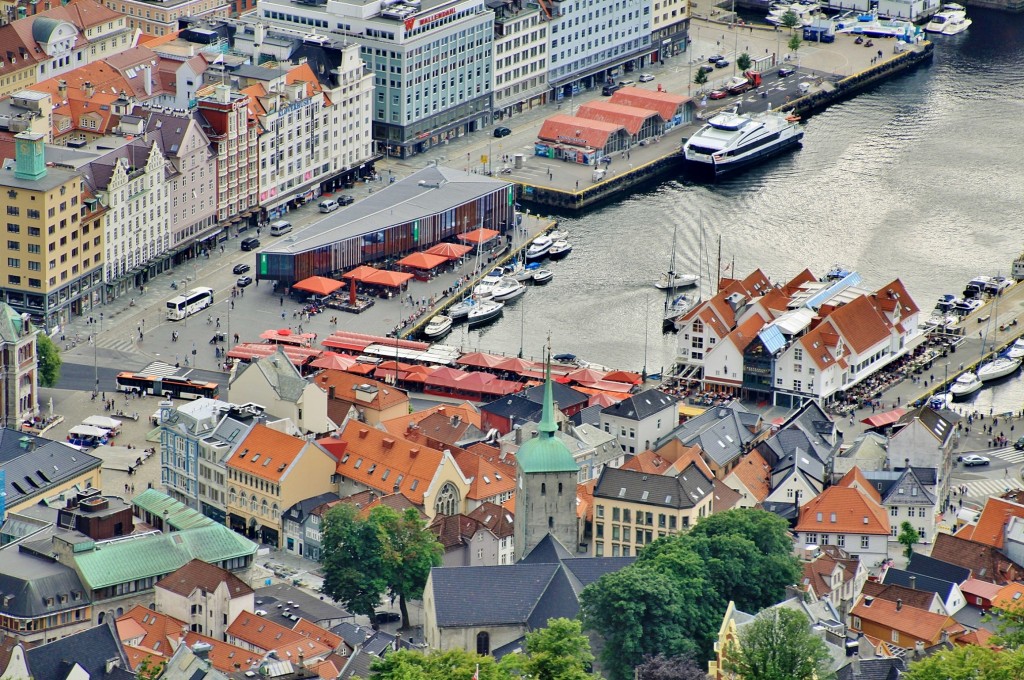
x,y
718,267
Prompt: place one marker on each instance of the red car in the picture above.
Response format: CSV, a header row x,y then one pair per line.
x,y
718,94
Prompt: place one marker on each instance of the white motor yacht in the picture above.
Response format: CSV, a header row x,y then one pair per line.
x,y
438,327
542,276
731,140
559,249
508,289
487,283
1016,350
540,248
484,312
998,368
965,384
950,20
460,310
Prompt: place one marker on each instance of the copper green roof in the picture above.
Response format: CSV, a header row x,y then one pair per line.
x,y
155,555
546,452
179,516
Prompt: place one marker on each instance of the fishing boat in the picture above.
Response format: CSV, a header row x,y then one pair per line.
x,y
559,249
1016,350
484,312
438,327
507,290
998,368
539,249
965,384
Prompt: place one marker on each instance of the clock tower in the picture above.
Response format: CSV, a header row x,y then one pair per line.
x,y
30,157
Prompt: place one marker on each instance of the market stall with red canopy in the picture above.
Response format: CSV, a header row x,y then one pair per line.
x,y
318,285
884,419
478,236
284,336
387,278
424,261
452,251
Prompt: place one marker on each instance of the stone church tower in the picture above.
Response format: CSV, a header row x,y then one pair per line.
x,y
545,486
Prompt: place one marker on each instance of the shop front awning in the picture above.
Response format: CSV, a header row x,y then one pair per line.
x,y
884,419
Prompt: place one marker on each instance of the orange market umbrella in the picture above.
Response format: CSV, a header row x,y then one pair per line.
x,y
360,273
452,251
385,277
335,361
422,261
479,236
624,377
318,285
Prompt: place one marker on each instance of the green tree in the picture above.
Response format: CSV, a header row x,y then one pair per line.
x,y
49,361
908,538
455,664
969,663
408,552
743,62
700,78
663,667
794,43
790,20
352,555
558,652
1010,626
639,612
779,645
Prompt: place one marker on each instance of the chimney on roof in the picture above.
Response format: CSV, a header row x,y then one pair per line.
x,y
855,665
899,604
913,582
201,650
868,600
519,434
456,420
88,90
112,664
62,89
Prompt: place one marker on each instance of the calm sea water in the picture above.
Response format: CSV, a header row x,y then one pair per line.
x,y
921,178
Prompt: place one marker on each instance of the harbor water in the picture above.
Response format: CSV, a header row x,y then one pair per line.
x,y
919,178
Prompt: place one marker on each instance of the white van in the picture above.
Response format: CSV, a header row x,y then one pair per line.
x,y
329,205
280,228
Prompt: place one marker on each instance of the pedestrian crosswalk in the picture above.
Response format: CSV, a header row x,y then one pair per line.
x,y
1007,453
159,369
991,487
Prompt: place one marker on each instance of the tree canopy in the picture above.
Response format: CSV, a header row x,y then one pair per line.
x,y
908,538
663,667
671,601
743,61
795,42
969,663
386,551
779,645
49,361
700,77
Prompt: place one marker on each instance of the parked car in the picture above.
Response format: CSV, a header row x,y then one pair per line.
x,y
718,94
721,63
627,83
646,77
388,617
240,269
345,199
250,243
786,71
502,131
244,281
975,459
328,205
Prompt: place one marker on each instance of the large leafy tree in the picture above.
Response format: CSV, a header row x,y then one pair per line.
x,y
638,611
779,645
49,361
969,663
352,555
908,538
558,652
1010,626
663,667
455,664
790,20
409,552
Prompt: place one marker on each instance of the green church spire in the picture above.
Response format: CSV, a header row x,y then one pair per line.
x,y
547,426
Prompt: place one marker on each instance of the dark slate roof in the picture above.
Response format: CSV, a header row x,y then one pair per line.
x,y
565,397
298,512
721,432
922,582
590,415
31,581
939,423
489,596
560,600
684,490
929,566
515,407
794,447
315,609
886,668
787,511
586,570
926,475
91,649
351,633
549,550
33,472
640,406
908,490
514,647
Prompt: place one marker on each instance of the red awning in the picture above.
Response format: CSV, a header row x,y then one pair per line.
x,y
360,273
452,251
284,336
516,365
480,360
422,261
607,386
383,277
318,285
335,361
479,236
585,375
624,377
248,351
883,419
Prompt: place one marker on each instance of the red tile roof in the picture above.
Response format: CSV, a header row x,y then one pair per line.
x,y
854,513
745,333
994,517
861,324
224,656
855,479
666,104
754,473
916,623
486,479
161,632
315,632
266,453
647,461
345,385
576,131
201,575
266,635
629,117
495,518
1010,596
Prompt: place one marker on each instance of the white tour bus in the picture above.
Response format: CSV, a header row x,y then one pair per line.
x,y
189,303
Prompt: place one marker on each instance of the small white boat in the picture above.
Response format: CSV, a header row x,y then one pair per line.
x,y
1016,350
559,249
558,235
998,368
958,24
540,248
522,274
671,280
484,311
508,289
966,306
487,283
542,276
438,327
965,384
460,310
